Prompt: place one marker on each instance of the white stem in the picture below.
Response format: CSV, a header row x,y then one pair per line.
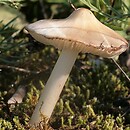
x,y
54,86
18,95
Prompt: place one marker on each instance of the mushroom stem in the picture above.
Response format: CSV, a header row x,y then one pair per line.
x,y
54,85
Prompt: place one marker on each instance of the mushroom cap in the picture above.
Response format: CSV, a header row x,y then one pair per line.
x,y
81,31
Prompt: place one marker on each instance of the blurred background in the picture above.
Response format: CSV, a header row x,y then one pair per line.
x,y
96,95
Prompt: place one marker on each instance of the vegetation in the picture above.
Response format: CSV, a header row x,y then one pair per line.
x,y
96,95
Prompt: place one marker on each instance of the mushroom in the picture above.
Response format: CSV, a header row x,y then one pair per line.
x,y
80,32
18,95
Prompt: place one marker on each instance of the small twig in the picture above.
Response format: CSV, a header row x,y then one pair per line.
x,y
19,69
72,5
126,112
121,69
112,5
43,9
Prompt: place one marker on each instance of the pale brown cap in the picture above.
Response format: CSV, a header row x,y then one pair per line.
x,y
81,31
